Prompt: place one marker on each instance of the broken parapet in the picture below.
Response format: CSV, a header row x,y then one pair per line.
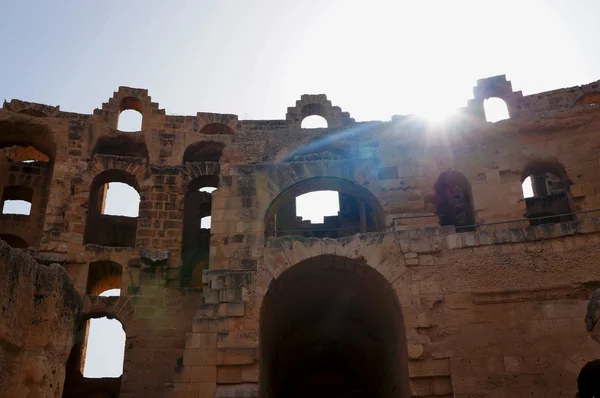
x,y
593,316
40,313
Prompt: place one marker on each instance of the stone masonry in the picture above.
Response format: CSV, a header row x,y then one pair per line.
x,y
437,278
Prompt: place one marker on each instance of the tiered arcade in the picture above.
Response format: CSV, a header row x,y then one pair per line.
x,y
436,278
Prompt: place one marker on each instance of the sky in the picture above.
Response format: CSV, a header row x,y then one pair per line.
x,y
374,59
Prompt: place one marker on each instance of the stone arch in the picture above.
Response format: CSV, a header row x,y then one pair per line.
x,y
216,129
551,192
102,276
203,151
318,104
129,98
454,201
348,332
121,145
137,167
494,87
26,133
215,123
109,230
363,211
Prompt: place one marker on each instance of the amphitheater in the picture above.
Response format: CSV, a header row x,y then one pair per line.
x,y
437,277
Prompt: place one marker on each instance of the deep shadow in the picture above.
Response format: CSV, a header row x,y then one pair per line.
x,y
332,327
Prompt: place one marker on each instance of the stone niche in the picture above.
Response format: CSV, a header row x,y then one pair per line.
x,y
40,311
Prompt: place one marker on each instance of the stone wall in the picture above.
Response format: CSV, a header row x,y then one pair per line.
x,y
481,311
40,312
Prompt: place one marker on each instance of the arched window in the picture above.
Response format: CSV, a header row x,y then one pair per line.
x,y
113,209
313,116
195,246
103,276
546,192
454,201
334,207
104,349
495,109
314,122
588,381
17,200
204,151
130,114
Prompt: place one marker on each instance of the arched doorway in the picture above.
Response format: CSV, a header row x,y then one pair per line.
x,y
332,327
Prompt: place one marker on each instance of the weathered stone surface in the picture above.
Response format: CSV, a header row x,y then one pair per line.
x,y
420,257
40,313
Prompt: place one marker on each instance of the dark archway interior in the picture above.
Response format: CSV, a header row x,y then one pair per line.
x,y
205,151
588,381
121,145
14,241
454,201
332,327
102,276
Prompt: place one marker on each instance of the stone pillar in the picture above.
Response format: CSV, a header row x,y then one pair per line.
x,y
40,313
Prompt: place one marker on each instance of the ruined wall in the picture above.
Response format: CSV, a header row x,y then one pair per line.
x,y
195,332
40,312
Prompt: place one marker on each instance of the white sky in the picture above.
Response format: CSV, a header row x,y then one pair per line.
x,y
255,58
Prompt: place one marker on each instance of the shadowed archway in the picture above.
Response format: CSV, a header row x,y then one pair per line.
x,y
331,326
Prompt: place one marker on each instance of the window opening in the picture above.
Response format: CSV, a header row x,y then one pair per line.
x,y
17,200
110,293
527,187
105,349
129,121
336,208
547,196
314,122
120,200
495,109
205,222
19,207
315,206
207,189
